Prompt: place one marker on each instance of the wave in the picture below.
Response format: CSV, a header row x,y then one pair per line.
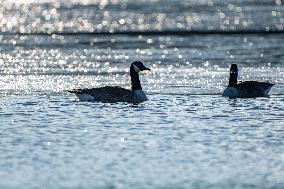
x,y
153,32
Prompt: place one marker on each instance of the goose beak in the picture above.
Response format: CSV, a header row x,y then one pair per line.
x,y
145,68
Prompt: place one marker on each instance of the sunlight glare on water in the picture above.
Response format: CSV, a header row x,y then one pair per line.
x,y
33,16
185,136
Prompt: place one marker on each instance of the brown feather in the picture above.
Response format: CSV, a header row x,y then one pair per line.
x,y
253,88
108,94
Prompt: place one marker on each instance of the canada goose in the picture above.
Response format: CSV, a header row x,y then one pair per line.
x,y
245,89
116,94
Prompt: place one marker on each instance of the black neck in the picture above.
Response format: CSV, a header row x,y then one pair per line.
x,y
135,82
233,81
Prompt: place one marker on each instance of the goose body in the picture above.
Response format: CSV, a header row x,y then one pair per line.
x,y
245,89
110,94
116,94
249,89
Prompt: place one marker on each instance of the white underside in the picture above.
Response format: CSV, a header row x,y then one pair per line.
x,y
85,97
266,92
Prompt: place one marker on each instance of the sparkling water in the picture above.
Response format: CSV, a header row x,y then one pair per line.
x,y
185,136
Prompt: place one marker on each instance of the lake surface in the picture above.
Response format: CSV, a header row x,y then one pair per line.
x,y
185,136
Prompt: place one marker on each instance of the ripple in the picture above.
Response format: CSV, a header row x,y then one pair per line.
x,y
186,135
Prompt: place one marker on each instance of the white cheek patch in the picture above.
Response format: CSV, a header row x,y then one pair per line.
x,y
136,68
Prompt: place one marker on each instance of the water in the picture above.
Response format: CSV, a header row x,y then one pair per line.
x,y
64,16
185,136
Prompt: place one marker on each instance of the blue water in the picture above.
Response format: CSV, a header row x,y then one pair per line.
x,y
185,136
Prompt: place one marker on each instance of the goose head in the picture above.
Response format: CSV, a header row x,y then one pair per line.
x,y
135,68
234,69
138,66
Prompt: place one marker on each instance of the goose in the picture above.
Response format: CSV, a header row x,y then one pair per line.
x,y
245,89
116,94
